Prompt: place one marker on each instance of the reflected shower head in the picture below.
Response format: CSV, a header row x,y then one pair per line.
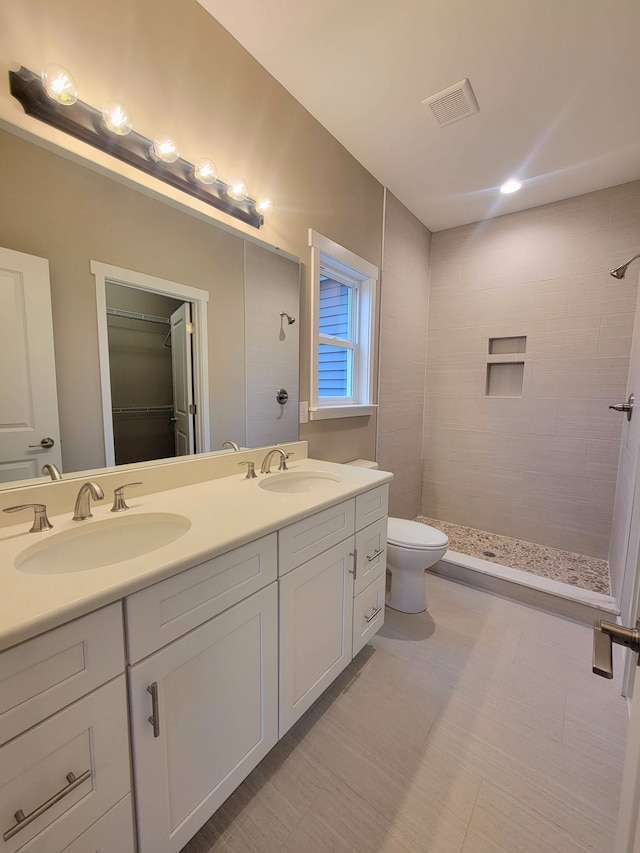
x,y
621,271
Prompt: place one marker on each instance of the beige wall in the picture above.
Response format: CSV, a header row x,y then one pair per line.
x,y
405,300
540,467
179,71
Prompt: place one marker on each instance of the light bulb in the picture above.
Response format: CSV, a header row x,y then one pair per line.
x,y
116,119
59,85
510,186
164,149
237,189
264,205
205,171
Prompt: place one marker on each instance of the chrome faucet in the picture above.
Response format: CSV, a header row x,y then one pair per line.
x,y
231,444
266,462
52,471
87,491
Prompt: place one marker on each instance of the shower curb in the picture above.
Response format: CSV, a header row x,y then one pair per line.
x,y
563,599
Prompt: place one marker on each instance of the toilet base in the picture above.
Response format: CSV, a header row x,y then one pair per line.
x,y
408,592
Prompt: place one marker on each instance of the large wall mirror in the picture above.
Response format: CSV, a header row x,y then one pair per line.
x,y
52,207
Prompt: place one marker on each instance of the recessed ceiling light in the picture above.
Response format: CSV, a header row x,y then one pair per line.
x,y
510,186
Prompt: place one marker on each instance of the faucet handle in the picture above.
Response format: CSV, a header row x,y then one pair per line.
x,y
251,469
40,520
119,503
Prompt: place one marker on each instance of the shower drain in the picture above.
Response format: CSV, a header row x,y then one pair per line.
x,y
489,554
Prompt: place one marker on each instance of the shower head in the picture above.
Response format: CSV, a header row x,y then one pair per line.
x,y
621,271
290,319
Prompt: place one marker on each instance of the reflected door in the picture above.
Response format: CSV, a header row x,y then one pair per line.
x,y
29,415
182,373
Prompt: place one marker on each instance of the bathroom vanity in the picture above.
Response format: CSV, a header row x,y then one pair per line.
x,y
206,649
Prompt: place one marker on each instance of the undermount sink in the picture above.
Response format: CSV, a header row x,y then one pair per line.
x,y
102,543
299,482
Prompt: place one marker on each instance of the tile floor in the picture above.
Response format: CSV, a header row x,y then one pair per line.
x,y
476,727
564,566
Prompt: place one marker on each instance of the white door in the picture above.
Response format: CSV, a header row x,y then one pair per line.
x,y
182,369
316,629
29,428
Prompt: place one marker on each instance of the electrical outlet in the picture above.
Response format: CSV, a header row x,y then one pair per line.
x,y
304,413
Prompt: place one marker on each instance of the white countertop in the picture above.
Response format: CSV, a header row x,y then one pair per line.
x,y
224,513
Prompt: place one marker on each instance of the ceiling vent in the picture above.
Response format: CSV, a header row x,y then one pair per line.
x,y
452,104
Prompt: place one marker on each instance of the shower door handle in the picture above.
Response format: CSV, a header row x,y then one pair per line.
x,y
625,407
605,634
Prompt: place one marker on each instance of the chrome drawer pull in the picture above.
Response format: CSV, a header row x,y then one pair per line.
x,y
23,820
354,570
154,719
373,615
377,554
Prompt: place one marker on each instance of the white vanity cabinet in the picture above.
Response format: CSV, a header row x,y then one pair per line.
x,y
331,595
64,763
204,708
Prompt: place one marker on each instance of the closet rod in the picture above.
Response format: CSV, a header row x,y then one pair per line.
x,y
133,315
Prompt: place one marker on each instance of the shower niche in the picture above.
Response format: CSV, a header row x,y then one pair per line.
x,y
505,366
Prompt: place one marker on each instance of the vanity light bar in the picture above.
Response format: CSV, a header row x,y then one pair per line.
x,y
86,123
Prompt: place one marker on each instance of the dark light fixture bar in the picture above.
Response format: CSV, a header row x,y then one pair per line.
x,y
86,123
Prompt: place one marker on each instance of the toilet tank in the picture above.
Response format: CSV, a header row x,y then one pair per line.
x,y
363,463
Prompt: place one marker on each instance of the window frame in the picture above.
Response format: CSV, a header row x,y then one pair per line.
x,y
340,264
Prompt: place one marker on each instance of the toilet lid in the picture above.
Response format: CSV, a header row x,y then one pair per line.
x,y
413,534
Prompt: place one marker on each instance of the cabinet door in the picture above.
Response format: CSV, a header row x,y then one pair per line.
x,y
215,712
316,612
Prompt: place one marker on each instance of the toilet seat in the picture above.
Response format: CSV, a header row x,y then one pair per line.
x,y
415,536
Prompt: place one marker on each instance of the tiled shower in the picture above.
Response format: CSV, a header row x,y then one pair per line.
x,y
502,345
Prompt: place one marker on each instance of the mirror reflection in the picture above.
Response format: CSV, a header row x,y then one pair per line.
x,y
56,209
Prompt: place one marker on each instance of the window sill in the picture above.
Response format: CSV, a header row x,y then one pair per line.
x,y
325,412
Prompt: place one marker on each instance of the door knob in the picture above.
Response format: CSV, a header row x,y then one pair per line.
x,y
604,635
625,407
46,443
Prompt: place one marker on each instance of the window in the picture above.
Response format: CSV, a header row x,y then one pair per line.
x,y
343,323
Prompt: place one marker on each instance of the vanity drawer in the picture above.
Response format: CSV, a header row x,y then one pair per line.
x,y
161,613
112,833
43,675
88,738
310,536
372,505
371,548
368,613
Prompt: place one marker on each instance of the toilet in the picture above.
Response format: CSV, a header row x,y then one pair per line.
x,y
412,548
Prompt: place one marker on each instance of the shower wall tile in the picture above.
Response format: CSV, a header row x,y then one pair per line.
x,y
580,496
580,377
541,300
564,531
403,353
616,332
399,376
535,453
541,467
588,418
455,312
602,460
445,277
455,379
600,294
400,338
516,415
400,412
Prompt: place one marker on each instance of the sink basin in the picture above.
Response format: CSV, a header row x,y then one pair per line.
x,y
102,543
299,482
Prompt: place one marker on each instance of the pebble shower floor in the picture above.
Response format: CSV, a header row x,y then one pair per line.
x,y
564,566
